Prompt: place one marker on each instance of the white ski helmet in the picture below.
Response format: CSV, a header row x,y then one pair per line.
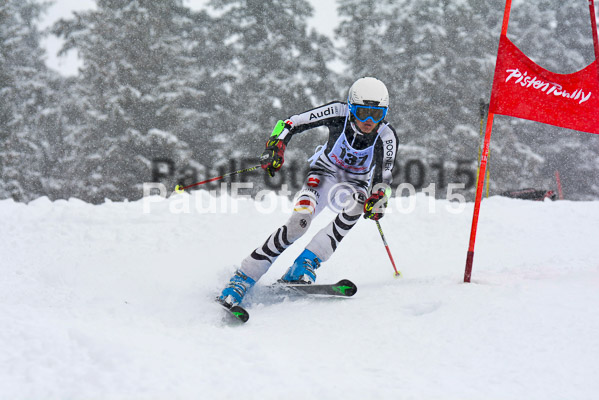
x,y
368,91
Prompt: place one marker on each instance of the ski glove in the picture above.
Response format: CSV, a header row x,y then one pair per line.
x,y
374,207
272,157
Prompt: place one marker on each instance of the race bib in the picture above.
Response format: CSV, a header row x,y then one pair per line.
x,y
346,157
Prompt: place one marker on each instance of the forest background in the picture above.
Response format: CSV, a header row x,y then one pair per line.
x,y
173,94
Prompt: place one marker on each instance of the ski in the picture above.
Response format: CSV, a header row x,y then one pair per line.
x,y
237,312
343,288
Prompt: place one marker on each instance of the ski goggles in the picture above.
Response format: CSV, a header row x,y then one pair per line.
x,y
365,113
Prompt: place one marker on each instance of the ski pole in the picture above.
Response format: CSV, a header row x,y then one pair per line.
x,y
180,189
397,273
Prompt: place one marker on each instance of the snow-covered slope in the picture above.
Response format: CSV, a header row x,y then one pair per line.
x,y
109,302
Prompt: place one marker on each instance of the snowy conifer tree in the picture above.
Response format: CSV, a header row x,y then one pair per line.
x,y
557,36
279,69
27,88
135,90
439,58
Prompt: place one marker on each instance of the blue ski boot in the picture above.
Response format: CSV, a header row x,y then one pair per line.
x,y
238,286
302,270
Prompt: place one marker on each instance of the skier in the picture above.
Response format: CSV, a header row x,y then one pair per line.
x,y
360,154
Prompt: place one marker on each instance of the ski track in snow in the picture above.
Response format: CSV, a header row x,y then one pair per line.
x,y
108,302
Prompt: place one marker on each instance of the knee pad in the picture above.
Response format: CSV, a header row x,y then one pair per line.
x,y
357,206
297,225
